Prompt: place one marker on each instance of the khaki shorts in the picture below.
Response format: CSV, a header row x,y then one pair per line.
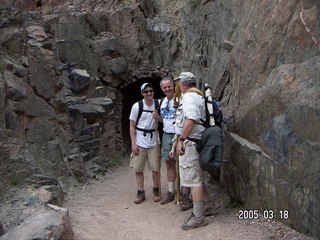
x,y
191,174
146,155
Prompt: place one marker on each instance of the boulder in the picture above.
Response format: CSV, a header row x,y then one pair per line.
x,y
80,80
43,224
37,33
38,107
114,66
16,86
107,47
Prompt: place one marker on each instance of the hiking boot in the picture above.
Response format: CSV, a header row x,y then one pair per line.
x,y
156,194
186,203
210,208
140,197
170,197
193,222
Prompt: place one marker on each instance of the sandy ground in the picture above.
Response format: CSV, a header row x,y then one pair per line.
x,y
104,209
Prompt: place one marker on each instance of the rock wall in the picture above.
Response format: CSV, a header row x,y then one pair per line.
x,y
261,58
57,116
263,64
63,73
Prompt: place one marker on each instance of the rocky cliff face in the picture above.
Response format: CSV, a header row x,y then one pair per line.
x,y
66,76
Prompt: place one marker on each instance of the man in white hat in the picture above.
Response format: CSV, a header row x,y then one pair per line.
x,y
191,174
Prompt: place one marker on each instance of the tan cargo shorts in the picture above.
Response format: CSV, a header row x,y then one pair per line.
x,y
191,174
146,155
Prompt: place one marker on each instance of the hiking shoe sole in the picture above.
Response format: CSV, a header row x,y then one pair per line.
x,y
195,223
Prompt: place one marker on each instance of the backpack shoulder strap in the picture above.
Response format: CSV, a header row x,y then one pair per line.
x,y
140,111
161,101
157,105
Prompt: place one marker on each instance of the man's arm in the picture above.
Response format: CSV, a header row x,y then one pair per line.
x,y
186,130
134,146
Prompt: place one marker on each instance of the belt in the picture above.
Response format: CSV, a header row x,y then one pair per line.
x,y
193,140
169,133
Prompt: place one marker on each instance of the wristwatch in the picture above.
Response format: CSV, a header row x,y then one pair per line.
x,y
182,139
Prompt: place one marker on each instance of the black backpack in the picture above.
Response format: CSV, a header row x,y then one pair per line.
x,y
157,107
210,147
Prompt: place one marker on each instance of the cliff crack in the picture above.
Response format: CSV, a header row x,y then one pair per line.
x,y
244,142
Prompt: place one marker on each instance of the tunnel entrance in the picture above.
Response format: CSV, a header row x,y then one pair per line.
x,y
132,94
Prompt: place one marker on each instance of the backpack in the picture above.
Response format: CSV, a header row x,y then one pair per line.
x,y
210,147
215,113
210,150
156,106
213,110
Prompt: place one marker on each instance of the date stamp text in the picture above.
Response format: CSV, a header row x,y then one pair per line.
x,y
265,214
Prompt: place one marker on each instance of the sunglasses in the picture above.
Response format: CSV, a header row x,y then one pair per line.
x,y
148,91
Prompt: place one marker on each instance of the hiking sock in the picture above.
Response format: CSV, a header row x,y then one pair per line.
x,y
171,187
198,208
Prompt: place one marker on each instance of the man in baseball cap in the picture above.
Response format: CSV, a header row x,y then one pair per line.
x,y
143,86
144,143
191,174
186,76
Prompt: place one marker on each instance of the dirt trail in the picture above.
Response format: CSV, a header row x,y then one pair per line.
x,y
104,209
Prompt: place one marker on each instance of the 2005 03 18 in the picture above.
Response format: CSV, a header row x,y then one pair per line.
x,y
266,214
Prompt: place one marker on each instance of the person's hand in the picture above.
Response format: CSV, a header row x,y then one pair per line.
x,y
171,153
156,115
180,149
135,149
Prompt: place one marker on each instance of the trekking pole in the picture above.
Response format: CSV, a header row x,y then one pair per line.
x,y
158,156
178,172
177,96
